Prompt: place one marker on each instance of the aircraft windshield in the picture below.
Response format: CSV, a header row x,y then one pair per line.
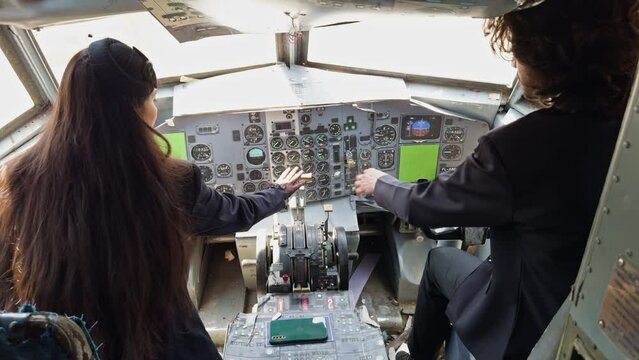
x,y
170,58
15,99
442,47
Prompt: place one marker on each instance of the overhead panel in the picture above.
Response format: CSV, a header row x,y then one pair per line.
x,y
189,20
37,13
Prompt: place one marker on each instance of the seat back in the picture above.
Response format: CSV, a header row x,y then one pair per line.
x,y
42,335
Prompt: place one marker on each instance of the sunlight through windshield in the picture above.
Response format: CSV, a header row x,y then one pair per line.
x,y
15,99
169,57
450,48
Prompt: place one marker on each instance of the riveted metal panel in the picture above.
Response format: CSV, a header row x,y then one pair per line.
x,y
614,239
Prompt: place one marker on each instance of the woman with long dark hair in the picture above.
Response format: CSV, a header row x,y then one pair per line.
x,y
536,182
94,218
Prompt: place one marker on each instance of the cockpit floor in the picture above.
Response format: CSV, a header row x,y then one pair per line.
x,y
224,294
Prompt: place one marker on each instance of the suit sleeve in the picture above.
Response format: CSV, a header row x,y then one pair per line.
x,y
477,193
216,213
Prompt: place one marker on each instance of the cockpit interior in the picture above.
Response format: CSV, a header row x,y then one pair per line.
x,y
247,89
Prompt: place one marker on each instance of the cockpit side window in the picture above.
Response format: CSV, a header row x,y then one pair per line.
x,y
14,98
171,59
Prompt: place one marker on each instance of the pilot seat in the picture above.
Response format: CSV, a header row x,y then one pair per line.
x,y
30,334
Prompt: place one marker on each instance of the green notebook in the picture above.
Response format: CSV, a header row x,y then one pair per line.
x,y
295,331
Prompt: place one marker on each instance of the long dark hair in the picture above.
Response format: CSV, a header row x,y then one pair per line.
x,y
91,218
582,53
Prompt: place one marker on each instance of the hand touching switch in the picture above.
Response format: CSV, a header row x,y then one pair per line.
x,y
290,180
365,182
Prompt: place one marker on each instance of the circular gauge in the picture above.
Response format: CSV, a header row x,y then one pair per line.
x,y
292,142
385,159
255,175
225,189
335,129
454,134
324,193
293,157
263,185
307,141
323,180
255,156
311,195
277,143
451,152
278,170
207,173
311,182
384,135
278,157
305,119
364,165
223,170
322,154
321,140
307,155
308,167
253,134
201,152
248,187
365,154
322,167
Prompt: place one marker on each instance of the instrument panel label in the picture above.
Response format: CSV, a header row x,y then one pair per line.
x,y
619,317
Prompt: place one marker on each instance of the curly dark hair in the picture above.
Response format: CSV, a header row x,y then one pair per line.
x,y
582,54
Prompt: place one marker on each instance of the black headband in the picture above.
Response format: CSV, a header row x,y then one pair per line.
x,y
116,79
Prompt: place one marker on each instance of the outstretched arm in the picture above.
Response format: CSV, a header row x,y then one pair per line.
x,y
477,193
217,213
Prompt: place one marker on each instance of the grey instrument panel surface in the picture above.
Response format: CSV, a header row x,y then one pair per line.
x,y
334,143
349,337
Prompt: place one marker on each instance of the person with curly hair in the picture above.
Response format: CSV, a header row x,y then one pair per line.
x,y
536,182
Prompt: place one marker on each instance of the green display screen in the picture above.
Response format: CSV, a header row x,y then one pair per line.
x,y
418,162
178,144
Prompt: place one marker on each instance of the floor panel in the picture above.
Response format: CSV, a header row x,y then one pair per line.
x,y
224,294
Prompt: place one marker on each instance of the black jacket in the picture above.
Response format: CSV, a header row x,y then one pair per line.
x,y
215,213
536,183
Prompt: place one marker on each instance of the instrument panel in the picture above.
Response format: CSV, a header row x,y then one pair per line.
x,y
242,153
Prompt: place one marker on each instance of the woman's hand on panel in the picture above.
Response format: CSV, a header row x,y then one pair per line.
x,y
290,179
365,182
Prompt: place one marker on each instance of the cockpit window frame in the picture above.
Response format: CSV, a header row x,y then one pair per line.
x,y
164,78
300,57
26,59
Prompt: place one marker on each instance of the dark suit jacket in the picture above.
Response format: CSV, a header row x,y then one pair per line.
x,y
536,183
215,213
